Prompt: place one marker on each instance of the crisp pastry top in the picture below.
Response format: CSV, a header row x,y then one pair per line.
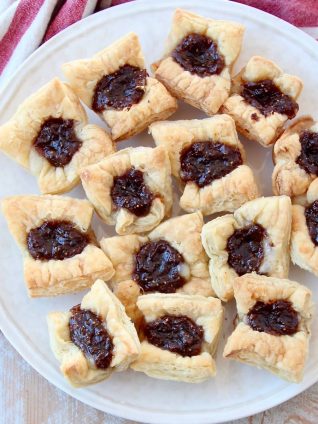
x,y
295,158
94,338
131,189
49,135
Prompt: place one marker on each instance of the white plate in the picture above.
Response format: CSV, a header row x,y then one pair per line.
x,y
238,390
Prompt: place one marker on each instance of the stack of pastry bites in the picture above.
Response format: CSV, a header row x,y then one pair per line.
x,y
157,287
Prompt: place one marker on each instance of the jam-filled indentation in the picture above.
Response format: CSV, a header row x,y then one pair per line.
x,y
56,240
311,215
308,158
278,318
178,334
121,89
57,141
89,334
203,162
199,55
267,98
158,266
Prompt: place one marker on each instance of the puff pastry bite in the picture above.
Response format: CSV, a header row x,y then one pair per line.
x,y
296,158
274,325
255,238
262,99
115,84
208,160
93,339
60,254
50,136
131,188
179,337
198,58
304,236
170,259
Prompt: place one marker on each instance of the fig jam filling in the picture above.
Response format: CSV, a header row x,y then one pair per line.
x,y
179,334
267,98
203,162
129,191
56,240
57,141
89,334
278,318
199,55
311,215
308,158
157,267
120,90
245,249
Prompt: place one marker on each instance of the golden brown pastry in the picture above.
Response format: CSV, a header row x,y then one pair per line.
x,y
188,358
60,254
170,259
131,188
274,325
198,58
101,320
115,84
208,159
50,136
262,99
255,238
295,158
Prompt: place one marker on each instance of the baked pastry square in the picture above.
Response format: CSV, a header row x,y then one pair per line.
x,y
179,336
295,158
60,254
115,84
170,259
131,188
198,58
93,339
304,236
208,160
262,99
50,136
274,325
255,238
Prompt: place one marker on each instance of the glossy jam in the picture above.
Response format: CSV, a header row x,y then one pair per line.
x,y
129,191
56,240
267,98
308,158
179,334
245,249
203,162
57,141
278,318
120,90
199,55
311,215
157,267
89,334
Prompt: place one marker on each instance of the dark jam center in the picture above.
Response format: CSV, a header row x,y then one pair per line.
x,y
91,337
267,98
157,267
57,141
311,215
204,162
130,192
179,334
245,249
56,240
308,158
120,90
278,318
199,55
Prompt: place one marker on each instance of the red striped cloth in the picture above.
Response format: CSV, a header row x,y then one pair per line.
x,y
25,24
